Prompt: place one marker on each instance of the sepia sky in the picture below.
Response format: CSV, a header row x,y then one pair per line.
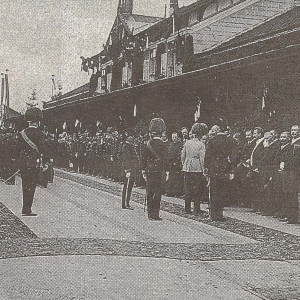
x,y
39,38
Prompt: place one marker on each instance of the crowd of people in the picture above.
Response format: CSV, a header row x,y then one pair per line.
x,y
261,171
253,168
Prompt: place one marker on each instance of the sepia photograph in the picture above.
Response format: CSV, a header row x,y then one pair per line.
x,y
150,150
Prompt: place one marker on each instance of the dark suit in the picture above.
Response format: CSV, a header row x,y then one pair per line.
x,y
265,165
28,165
175,184
248,148
216,161
154,168
291,184
278,183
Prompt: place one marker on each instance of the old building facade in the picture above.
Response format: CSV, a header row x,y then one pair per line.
x,y
165,66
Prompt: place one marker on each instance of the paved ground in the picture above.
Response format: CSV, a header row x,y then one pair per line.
x,y
83,245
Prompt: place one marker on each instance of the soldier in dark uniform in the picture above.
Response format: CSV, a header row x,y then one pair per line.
x,y
81,154
31,147
154,160
130,163
218,168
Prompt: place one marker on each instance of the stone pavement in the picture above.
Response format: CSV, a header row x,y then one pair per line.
x,y
83,245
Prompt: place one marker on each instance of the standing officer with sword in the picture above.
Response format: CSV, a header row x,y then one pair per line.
x,y
130,164
31,150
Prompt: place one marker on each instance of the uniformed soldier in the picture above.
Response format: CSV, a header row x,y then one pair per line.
x,y
31,147
154,160
130,163
81,154
218,168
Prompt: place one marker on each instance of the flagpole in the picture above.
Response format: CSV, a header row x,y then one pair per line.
x,y
7,94
2,99
2,88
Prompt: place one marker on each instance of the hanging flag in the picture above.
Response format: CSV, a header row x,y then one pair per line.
x,y
147,41
80,124
76,123
198,112
98,123
56,130
65,126
110,40
134,110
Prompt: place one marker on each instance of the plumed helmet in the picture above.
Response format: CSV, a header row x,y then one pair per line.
x,y
199,129
157,126
33,114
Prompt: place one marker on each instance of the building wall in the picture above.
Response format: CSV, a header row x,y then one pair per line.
x,y
234,20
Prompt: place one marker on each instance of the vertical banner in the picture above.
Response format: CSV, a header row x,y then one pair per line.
x,y
134,110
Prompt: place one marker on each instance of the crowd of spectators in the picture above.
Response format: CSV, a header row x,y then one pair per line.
x,y
264,169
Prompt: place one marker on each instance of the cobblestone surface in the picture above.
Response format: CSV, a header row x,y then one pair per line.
x,y
11,227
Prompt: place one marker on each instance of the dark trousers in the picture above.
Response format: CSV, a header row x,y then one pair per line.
x,y
175,185
194,185
127,189
218,193
81,164
154,192
30,177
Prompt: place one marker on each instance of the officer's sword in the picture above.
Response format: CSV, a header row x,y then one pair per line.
x,y
209,196
15,174
145,203
127,190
